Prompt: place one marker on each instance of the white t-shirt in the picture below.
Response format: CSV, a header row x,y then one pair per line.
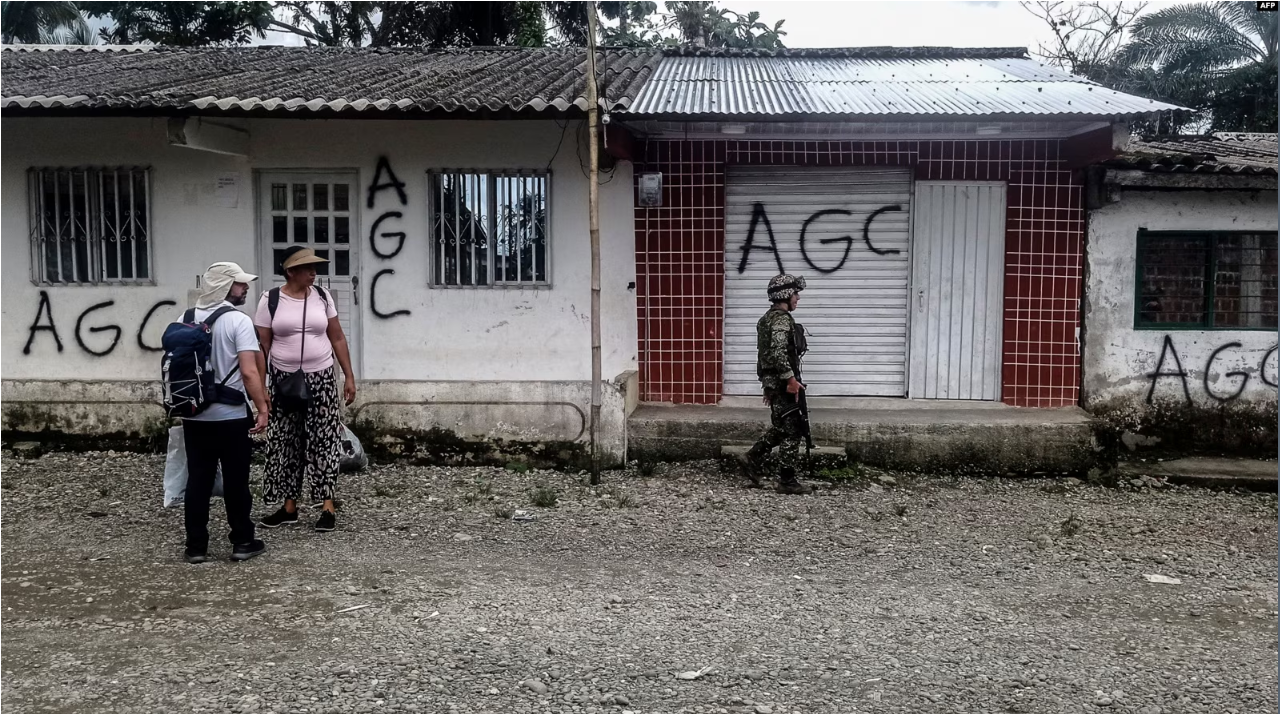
x,y
233,333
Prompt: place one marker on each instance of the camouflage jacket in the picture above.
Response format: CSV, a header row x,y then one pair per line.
x,y
773,340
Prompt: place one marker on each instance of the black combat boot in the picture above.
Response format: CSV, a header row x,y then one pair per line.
x,y
752,464
789,484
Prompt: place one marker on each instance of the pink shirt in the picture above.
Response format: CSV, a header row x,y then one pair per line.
x,y
287,341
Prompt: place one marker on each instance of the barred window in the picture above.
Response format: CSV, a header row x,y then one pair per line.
x,y
1223,280
90,225
488,228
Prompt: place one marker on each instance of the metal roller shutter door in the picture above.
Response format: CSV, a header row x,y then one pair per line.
x,y
855,307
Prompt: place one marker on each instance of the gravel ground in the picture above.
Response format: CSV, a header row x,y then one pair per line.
x,y
680,591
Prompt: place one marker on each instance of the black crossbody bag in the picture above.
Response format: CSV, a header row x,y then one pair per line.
x,y
292,393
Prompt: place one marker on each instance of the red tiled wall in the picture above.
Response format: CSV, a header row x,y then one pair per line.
x,y
680,255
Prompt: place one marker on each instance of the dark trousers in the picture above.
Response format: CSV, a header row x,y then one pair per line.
x,y
208,444
787,432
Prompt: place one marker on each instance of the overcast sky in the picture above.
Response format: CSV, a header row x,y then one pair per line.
x,y
858,24
846,23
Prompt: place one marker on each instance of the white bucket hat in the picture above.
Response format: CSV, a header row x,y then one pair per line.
x,y
218,280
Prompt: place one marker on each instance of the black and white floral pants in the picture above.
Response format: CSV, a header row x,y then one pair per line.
x,y
304,443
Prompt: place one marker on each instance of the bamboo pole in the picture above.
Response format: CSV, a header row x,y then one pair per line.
x,y
593,214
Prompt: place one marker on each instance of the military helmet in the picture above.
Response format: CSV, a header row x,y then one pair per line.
x,y
785,286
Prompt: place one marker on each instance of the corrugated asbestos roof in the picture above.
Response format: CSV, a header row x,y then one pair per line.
x,y
876,81
1219,153
296,79
677,83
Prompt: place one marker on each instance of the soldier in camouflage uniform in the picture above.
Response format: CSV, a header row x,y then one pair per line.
x,y
775,350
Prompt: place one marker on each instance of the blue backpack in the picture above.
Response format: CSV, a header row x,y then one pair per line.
x,y
186,371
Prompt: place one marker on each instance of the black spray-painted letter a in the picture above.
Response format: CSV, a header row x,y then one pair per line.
x,y
759,217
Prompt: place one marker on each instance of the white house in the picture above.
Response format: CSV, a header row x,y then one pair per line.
x,y
456,227
1182,291
934,197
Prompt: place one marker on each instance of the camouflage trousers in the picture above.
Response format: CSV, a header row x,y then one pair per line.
x,y
786,432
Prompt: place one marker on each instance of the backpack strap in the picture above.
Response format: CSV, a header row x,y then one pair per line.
x,y
273,299
273,302
209,323
189,316
214,316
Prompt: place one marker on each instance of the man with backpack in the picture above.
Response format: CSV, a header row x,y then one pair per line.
x,y
211,360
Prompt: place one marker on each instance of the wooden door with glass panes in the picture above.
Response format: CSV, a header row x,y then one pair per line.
x,y
315,210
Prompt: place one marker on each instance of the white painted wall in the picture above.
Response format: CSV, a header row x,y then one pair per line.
x,y
1118,359
457,334
496,335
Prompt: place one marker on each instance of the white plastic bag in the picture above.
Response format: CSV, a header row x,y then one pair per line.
x,y
176,470
352,457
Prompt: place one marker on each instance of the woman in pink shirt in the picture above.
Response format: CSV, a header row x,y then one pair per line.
x,y
303,333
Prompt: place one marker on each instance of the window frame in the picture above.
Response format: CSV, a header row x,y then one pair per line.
x,y
1210,239
491,174
96,274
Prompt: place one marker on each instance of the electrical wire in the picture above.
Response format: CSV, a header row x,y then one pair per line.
x,y
559,143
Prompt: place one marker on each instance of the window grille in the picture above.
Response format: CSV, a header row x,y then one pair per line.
x,y
489,228
1225,280
90,225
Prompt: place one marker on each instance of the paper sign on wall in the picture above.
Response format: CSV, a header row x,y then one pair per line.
x,y
227,190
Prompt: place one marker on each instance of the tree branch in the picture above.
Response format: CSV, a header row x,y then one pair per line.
x,y
286,27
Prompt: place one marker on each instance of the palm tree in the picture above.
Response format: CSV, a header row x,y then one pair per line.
x,y
77,34
1213,38
1226,50
39,22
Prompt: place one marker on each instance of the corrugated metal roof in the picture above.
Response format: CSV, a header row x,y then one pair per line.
x,y
1220,153
863,53
675,84
734,85
316,79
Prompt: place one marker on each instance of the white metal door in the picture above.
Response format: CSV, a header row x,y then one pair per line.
x,y
317,210
958,277
854,260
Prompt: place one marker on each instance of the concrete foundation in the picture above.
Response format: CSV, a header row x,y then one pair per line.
x,y
448,421
919,435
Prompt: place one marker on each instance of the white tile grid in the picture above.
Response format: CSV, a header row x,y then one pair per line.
x,y
750,151
1028,357
683,176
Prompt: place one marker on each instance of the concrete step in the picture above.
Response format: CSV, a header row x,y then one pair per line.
x,y
1211,472
919,436
820,457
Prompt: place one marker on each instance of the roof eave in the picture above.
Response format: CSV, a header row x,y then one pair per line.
x,y
1137,178
505,113
882,116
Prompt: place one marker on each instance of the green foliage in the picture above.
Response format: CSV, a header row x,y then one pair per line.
x,y
42,22
400,24
531,27
1217,58
181,24
544,497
